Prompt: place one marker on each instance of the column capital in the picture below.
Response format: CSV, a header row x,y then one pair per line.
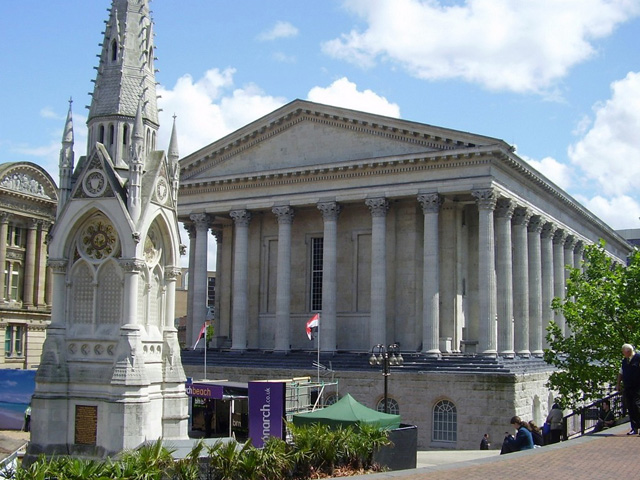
x,y
559,237
284,214
505,208
330,210
5,217
548,229
535,224
33,223
579,246
521,216
485,198
200,220
378,206
241,217
131,265
172,273
430,202
57,265
570,242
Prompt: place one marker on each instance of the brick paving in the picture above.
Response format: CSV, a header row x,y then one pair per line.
x,y
609,455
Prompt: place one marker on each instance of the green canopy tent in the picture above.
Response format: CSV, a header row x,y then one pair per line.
x,y
347,411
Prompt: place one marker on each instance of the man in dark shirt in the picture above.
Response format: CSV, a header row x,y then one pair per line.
x,y
606,418
630,377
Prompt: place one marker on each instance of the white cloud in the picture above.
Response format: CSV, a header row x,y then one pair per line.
x,y
609,153
619,212
279,30
344,93
48,112
209,108
555,171
499,44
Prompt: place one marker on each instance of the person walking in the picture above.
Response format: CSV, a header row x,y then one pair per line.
x,y
629,384
485,443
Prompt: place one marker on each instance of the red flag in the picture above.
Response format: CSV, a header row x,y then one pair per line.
x,y
312,323
202,330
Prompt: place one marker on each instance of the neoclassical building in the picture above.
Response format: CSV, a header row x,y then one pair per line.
x,y
396,232
28,201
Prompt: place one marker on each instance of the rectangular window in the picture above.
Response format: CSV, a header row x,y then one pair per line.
x,y
317,245
14,293
14,341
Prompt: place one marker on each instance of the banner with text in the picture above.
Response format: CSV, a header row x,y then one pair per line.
x,y
266,411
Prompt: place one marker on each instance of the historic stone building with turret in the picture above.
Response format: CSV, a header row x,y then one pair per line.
x,y
110,375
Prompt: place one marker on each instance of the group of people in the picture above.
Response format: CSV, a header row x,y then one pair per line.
x,y
528,435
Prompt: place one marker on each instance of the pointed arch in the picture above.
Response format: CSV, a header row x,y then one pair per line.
x,y
113,50
156,298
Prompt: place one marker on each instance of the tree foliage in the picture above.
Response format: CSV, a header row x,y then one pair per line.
x,y
601,312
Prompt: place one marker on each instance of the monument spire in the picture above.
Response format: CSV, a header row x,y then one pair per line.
x,y
125,74
66,162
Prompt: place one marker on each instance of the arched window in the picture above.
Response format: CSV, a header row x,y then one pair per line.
x,y
114,50
101,134
112,134
445,422
331,399
125,134
394,406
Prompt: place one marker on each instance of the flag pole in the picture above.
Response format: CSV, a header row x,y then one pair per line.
x,y
205,352
318,362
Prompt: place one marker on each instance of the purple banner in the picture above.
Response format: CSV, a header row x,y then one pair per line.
x,y
266,411
204,390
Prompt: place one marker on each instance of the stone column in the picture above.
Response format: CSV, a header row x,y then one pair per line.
x,y
218,236
42,263
191,231
240,310
520,222
30,263
535,286
431,203
378,325
285,216
330,212
578,251
171,275
486,200
4,228
569,245
546,251
58,269
131,268
199,276
558,273
504,276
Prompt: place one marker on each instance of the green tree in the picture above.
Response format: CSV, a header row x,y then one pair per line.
x,y
601,312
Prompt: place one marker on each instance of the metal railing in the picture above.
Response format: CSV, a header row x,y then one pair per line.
x,y
584,419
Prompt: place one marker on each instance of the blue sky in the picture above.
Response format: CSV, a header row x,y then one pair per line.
x,y
559,80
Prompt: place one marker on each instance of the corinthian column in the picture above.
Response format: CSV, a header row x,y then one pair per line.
x,y
546,247
191,231
535,286
486,200
430,203
504,276
4,227
240,310
199,275
284,215
42,264
558,273
378,326
30,263
330,212
521,219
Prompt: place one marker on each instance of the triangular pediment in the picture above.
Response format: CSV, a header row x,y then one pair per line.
x,y
303,135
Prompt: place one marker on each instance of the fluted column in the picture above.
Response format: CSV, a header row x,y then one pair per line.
x,y
191,231
199,275
330,212
535,286
558,273
30,263
569,245
486,200
4,228
219,281
378,326
546,251
41,282
285,215
504,276
240,311
578,251
520,222
431,203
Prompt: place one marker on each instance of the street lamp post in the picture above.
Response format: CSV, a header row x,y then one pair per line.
x,y
389,356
